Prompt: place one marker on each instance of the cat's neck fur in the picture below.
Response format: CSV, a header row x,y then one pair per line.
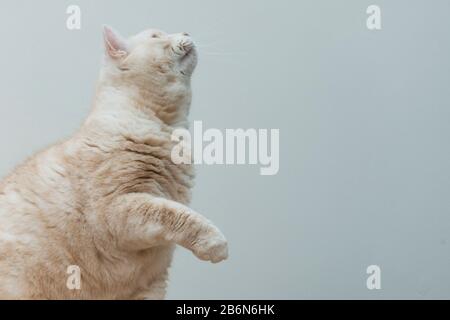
x,y
126,96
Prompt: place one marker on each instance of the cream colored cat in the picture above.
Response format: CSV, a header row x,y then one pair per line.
x,y
109,199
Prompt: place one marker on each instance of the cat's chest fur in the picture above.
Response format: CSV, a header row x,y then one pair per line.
x,y
136,157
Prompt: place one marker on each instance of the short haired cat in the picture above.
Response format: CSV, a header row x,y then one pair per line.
x,y
109,200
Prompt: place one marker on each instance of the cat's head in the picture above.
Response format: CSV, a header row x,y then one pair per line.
x,y
155,64
152,53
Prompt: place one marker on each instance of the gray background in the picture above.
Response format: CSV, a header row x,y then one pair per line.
x,y
364,118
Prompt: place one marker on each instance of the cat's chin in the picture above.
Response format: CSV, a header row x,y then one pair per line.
x,y
189,53
189,61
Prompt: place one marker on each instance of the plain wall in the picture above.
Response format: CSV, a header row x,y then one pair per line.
x,y
364,128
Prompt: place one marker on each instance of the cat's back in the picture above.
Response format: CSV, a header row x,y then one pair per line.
x,y
36,200
34,184
29,217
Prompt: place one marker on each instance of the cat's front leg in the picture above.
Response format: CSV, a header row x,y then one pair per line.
x,y
140,221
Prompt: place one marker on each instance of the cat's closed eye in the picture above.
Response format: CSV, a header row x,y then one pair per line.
x,y
154,35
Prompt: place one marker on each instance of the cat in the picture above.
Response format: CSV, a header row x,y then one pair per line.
x,y
109,200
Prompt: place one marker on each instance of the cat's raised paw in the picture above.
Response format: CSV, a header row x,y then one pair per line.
x,y
214,249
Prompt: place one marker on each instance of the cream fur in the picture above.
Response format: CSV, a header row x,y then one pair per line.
x,y
109,199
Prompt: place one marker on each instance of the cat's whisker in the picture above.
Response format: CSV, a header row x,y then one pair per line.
x,y
223,53
209,44
204,45
217,51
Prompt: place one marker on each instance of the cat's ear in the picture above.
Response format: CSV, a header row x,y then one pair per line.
x,y
115,44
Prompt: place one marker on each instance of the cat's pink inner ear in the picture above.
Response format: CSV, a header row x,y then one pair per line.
x,y
115,45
